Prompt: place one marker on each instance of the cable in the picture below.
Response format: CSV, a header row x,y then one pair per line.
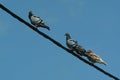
x,y
56,42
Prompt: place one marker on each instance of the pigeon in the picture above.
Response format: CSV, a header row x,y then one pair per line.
x,y
94,58
37,21
73,45
70,42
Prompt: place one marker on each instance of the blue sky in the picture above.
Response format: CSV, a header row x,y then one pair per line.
x,y
25,55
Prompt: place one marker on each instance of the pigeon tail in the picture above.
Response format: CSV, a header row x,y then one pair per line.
x,y
43,25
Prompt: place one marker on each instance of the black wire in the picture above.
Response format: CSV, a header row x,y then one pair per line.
x,y
56,42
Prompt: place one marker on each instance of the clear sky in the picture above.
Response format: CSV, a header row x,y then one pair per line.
x,y
25,55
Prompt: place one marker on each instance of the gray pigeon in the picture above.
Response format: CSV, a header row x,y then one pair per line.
x,y
70,42
37,21
73,45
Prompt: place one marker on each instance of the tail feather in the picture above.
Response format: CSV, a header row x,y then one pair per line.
x,y
102,62
43,25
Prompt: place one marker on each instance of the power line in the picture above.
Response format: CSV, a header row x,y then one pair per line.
x,y
56,42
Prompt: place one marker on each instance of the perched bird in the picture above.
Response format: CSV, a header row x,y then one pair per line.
x,y
70,42
94,58
73,45
37,21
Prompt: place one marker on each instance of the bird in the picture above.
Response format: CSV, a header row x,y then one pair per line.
x,y
37,21
70,42
94,58
73,45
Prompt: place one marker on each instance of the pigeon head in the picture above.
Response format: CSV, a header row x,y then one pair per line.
x,y
30,14
67,36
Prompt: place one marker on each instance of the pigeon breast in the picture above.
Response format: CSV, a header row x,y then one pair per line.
x,y
35,20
